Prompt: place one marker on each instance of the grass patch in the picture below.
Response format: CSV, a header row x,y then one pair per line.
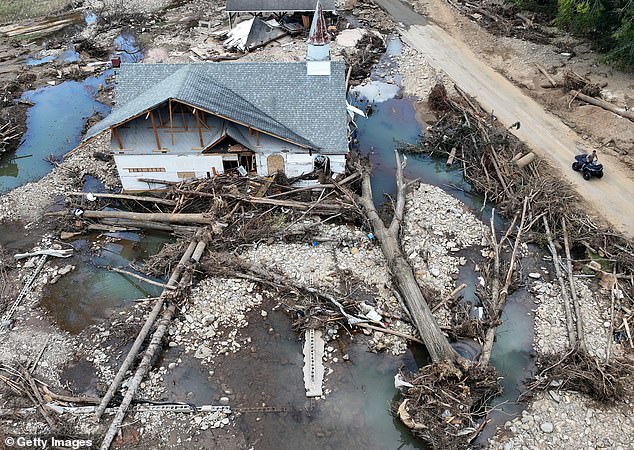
x,y
14,10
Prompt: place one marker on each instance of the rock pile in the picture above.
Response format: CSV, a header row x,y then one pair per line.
x,y
437,228
344,256
568,420
551,335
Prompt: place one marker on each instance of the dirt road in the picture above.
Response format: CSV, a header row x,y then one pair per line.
x,y
612,197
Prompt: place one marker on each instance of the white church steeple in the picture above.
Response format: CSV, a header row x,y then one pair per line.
x,y
318,53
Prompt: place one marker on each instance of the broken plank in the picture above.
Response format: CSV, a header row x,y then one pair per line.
x,y
313,363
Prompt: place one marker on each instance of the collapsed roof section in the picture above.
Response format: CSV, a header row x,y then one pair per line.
x,y
276,98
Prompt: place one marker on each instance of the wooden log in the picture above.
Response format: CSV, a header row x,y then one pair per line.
x,y
138,224
450,297
499,294
573,291
37,399
526,159
269,201
138,198
452,156
541,68
142,370
139,277
603,104
144,217
157,181
435,341
145,330
572,334
388,331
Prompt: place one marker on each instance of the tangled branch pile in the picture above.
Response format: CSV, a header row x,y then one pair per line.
x,y
365,55
576,371
574,81
503,169
505,19
446,402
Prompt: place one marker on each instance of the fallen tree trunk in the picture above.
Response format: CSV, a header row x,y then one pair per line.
x,y
435,341
575,301
144,365
145,330
144,217
269,201
169,227
499,295
603,104
546,74
142,278
572,335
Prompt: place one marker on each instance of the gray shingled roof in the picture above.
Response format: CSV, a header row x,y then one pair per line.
x,y
278,98
241,6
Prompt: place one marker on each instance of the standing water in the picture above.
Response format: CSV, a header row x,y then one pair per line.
x,y
391,124
91,292
54,127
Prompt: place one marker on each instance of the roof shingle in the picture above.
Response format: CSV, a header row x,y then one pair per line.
x,y
278,98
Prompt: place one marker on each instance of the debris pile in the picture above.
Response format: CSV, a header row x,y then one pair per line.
x,y
446,403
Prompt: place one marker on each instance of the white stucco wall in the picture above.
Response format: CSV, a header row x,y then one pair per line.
x,y
203,165
198,163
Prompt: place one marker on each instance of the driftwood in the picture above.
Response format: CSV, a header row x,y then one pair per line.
x,y
145,330
450,297
271,201
499,294
138,198
603,104
142,278
546,74
137,224
572,335
143,217
573,291
143,368
404,279
388,331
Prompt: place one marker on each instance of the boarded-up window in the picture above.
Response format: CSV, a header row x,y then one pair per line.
x,y
275,164
145,169
186,174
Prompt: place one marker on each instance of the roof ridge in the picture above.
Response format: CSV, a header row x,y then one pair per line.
x,y
193,72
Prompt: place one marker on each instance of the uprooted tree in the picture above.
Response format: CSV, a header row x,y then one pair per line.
x,y
435,341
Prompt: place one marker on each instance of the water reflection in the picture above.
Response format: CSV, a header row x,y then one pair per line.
x,y
54,126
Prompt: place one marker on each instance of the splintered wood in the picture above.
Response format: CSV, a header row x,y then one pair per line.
x,y
313,363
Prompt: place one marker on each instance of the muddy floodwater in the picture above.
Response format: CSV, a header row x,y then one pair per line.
x,y
54,127
356,414
91,293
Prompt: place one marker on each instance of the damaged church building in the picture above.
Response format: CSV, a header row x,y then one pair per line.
x,y
181,121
